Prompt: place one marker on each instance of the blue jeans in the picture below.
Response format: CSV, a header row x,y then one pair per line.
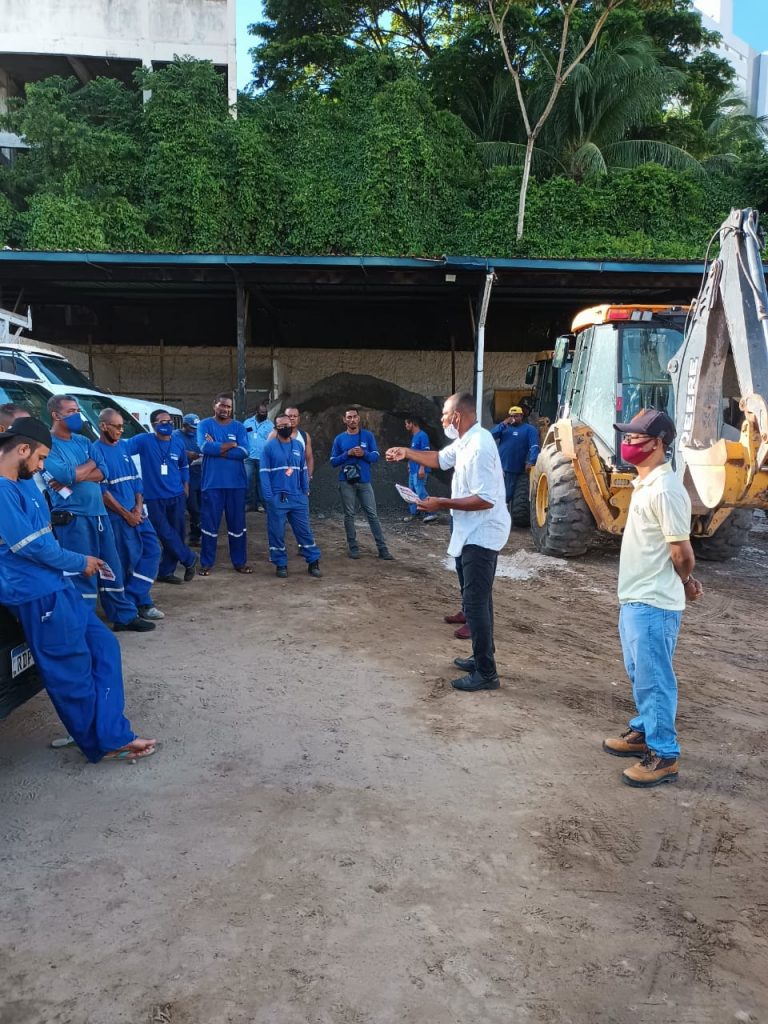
x,y
648,640
351,494
418,485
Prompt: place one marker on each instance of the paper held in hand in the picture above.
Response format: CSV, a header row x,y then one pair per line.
x,y
407,494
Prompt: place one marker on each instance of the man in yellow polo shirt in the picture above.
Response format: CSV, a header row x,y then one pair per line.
x,y
655,581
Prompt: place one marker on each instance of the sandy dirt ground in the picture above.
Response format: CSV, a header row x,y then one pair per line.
x,y
331,835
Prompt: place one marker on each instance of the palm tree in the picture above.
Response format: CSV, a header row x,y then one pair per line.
x,y
615,91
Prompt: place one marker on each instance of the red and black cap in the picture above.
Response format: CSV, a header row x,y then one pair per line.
x,y
652,422
29,429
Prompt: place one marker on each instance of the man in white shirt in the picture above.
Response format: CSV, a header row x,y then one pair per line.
x,y
655,581
481,526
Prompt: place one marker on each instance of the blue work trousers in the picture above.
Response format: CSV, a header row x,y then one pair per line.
x,y
167,517
139,551
80,665
193,509
253,489
231,502
648,640
92,535
419,486
296,513
510,480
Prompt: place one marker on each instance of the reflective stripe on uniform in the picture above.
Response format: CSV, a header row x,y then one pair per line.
x,y
28,539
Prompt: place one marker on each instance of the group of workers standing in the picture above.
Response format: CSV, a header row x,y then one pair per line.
x,y
104,529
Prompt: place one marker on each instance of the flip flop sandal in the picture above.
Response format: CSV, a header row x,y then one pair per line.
x,y
61,742
244,570
130,756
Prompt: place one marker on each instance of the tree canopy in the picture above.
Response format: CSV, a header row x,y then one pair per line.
x,y
396,130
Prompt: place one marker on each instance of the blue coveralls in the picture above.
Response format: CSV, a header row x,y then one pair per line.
x,y
137,546
164,472
189,439
78,657
223,489
418,484
285,491
518,448
90,532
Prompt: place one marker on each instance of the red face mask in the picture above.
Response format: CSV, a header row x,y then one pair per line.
x,y
634,454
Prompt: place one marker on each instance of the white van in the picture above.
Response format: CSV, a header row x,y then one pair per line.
x,y
51,369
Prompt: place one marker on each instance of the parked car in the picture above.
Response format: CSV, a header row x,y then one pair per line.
x,y
55,372
19,678
35,397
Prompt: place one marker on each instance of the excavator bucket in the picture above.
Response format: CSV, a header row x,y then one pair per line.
x,y
719,464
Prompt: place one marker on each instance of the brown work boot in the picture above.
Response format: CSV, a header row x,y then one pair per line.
x,y
455,620
651,771
463,633
630,744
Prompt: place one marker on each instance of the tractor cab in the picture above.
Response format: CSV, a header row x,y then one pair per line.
x,y
620,367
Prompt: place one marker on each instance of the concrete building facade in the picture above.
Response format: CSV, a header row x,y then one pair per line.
x,y
750,66
87,38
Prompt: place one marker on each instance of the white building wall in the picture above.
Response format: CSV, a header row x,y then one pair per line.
x,y
751,67
144,30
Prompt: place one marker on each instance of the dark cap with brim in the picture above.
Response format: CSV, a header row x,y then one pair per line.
x,y
27,428
652,422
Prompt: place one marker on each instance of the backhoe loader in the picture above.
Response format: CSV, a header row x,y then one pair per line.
x,y
706,366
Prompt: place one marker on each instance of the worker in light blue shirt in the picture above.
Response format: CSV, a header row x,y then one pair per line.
x,y
353,453
135,538
188,436
78,658
257,428
418,475
73,479
285,489
224,444
519,445
165,474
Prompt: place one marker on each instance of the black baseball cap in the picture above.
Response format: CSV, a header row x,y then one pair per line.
x,y
29,429
652,422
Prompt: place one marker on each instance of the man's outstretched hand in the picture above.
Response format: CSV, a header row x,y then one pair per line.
x,y
396,454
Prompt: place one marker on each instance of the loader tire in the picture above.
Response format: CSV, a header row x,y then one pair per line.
x,y
519,506
561,522
726,542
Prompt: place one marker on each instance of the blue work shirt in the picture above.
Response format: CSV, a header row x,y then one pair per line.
x,y
32,563
220,473
62,463
419,443
360,439
121,479
257,434
164,467
518,446
189,439
283,470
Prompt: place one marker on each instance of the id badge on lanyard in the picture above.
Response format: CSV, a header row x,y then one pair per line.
x,y
164,469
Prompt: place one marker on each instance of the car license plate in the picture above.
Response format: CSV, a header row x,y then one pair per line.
x,y
21,659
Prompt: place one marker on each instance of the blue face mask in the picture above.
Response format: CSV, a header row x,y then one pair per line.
x,y
73,422
164,429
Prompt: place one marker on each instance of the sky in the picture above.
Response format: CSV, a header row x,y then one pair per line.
x,y
750,23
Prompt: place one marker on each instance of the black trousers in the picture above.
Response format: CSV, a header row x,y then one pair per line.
x,y
476,568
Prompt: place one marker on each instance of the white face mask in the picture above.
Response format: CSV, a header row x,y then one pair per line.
x,y
451,432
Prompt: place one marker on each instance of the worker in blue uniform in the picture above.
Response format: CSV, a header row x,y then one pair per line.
x,y
165,479
285,492
224,444
188,436
418,475
77,656
135,538
80,519
519,445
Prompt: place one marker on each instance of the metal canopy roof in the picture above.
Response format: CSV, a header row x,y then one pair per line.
x,y
332,301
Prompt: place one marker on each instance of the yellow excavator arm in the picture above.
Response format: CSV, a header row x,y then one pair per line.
x,y
730,315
